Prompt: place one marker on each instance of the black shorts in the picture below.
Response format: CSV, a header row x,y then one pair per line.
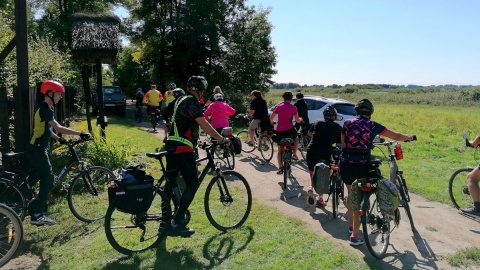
x,y
313,159
291,133
352,171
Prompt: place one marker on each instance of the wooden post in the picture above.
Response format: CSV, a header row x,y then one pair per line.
x,y
4,123
88,97
101,109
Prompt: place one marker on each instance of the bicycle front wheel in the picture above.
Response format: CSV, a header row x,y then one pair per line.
x,y
11,233
304,140
458,190
375,225
88,196
265,145
244,137
228,201
129,233
404,200
336,195
13,197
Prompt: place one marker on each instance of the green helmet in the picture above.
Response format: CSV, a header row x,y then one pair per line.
x,y
198,83
364,105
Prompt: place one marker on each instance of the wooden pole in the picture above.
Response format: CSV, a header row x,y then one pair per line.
x,y
101,110
88,97
4,123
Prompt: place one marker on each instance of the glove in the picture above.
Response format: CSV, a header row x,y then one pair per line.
x,y
224,141
84,136
62,140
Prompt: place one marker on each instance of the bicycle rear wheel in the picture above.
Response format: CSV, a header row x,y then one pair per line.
x,y
265,145
404,200
375,225
228,201
458,190
88,196
11,233
128,233
244,137
13,197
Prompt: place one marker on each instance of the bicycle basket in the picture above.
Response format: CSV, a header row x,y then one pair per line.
x,y
131,196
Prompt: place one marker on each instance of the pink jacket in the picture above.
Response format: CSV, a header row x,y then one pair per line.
x,y
220,112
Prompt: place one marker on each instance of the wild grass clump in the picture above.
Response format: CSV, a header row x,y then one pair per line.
x,y
465,258
109,155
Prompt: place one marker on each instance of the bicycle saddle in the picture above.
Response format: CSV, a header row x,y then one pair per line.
x,y
158,155
374,162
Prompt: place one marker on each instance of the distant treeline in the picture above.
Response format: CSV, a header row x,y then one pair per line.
x,y
365,86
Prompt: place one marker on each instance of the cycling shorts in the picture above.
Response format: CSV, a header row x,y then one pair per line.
x,y
291,133
352,171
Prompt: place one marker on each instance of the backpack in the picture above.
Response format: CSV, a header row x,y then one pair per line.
x,y
321,178
237,145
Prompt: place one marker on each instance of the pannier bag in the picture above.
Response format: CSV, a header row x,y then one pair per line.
x,y
131,196
136,171
237,145
321,178
387,195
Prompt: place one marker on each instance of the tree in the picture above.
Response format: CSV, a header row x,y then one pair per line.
x,y
129,72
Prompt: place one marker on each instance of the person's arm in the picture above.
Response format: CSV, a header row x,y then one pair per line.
x,y
342,140
61,129
145,98
272,116
207,113
208,129
475,142
397,136
230,110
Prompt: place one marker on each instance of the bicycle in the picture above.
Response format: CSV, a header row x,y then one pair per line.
x,y
376,224
227,202
155,117
336,188
11,233
457,186
263,141
138,114
303,141
226,152
87,190
286,144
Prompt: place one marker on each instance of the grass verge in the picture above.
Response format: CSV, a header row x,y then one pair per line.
x,y
469,257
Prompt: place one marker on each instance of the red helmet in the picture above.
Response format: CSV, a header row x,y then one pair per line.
x,y
53,86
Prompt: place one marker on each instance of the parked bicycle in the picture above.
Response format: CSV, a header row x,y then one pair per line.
x,y
227,202
263,141
11,233
457,186
376,224
86,192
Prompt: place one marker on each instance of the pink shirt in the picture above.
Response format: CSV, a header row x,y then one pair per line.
x,y
285,111
220,112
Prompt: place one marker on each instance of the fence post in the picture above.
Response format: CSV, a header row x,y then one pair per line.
x,y
4,123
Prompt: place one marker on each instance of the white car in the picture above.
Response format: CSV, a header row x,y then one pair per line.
x,y
316,105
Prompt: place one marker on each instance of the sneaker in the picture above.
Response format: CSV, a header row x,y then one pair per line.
x,y
320,204
310,198
180,230
250,144
41,220
470,211
294,157
350,229
280,171
356,241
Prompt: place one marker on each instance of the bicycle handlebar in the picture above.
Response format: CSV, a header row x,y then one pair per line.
x,y
389,143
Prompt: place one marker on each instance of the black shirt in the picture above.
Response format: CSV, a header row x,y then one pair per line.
x,y
259,105
324,135
302,110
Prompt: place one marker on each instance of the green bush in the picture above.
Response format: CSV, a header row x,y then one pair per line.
x,y
109,155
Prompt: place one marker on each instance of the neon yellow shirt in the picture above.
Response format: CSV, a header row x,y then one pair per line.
x,y
153,98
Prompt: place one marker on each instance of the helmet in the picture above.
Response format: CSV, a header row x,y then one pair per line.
x,y
299,95
171,86
178,92
364,105
197,82
53,86
218,97
139,89
329,111
287,95
153,86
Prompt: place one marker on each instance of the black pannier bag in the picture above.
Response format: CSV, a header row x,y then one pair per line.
x,y
237,145
132,196
136,170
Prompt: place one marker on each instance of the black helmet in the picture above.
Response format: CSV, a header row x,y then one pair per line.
x,y
329,111
178,92
198,83
364,105
171,86
287,95
299,95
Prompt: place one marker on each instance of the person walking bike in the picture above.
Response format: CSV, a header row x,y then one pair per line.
x,y
180,145
43,122
259,112
473,178
357,141
323,134
303,113
218,113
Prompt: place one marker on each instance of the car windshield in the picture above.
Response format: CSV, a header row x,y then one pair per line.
x,y
346,109
111,90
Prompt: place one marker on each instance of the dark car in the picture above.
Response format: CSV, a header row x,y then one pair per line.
x,y
113,100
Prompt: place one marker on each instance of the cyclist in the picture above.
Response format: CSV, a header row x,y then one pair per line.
x,y
473,178
218,112
357,142
169,97
216,90
43,123
138,98
181,142
285,129
259,112
302,112
154,99
324,134
177,93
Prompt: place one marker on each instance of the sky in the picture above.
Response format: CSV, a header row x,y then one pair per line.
x,y
422,42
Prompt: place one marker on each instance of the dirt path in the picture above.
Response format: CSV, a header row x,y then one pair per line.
x,y
441,230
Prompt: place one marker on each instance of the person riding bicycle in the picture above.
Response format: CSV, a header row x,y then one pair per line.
x,y
181,143
323,134
473,179
285,129
176,93
259,112
43,123
169,97
302,112
154,100
138,98
218,113
357,142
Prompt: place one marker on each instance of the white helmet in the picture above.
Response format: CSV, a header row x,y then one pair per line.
x,y
218,97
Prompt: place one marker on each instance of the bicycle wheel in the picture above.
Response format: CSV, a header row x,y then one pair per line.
x,y
226,154
336,194
11,233
244,137
265,145
88,196
13,197
375,226
228,201
458,190
153,121
128,233
286,169
404,200
304,140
